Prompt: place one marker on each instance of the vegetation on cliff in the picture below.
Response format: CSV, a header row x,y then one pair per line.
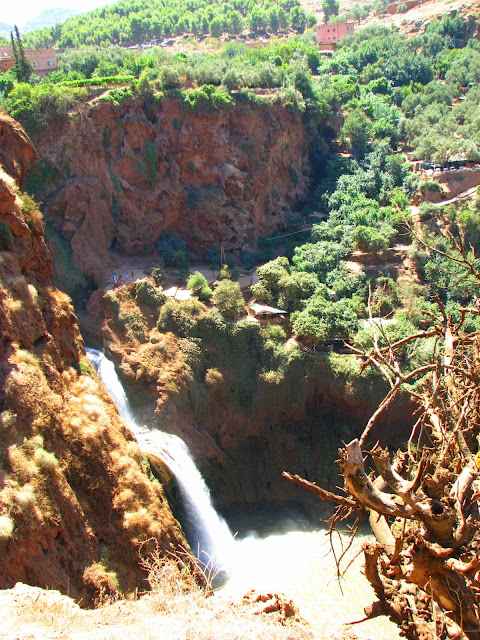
x,y
76,500
203,81
246,394
423,502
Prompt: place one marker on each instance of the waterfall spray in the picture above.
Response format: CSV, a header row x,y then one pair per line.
x,y
207,533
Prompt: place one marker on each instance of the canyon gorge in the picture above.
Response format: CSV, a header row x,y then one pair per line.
x,y
119,176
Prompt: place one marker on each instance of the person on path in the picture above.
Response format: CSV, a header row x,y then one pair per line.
x,y
114,278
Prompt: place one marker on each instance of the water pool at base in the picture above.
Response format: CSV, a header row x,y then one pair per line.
x,y
298,562
275,549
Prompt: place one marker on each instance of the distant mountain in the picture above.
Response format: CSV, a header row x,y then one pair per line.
x,y
5,29
48,18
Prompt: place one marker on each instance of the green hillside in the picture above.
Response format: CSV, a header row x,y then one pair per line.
x,y
130,22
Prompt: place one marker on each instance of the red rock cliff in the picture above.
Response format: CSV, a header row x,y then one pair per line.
x,y
126,173
75,501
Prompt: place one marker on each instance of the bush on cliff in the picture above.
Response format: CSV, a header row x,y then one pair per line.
x,y
37,107
198,285
206,97
179,317
133,324
228,298
6,236
148,294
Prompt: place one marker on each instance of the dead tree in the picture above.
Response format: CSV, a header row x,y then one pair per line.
x,y
423,501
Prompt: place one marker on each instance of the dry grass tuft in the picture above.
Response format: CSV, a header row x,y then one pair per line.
x,y
19,286
8,419
60,299
6,528
22,356
45,461
214,378
20,463
176,609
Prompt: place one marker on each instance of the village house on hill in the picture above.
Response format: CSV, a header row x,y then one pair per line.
x,y
329,34
43,61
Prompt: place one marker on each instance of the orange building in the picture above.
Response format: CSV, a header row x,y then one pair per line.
x,y
332,33
43,60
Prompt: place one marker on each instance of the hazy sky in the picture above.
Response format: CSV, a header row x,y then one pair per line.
x,y
19,11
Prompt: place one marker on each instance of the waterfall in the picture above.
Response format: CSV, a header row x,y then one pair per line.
x,y
207,533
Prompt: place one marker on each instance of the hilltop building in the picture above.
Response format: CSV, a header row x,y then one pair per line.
x,y
329,34
43,61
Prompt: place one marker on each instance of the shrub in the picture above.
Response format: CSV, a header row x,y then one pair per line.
x,y
45,460
151,159
133,323
111,297
430,185
193,197
33,216
67,277
148,294
373,240
6,237
181,260
179,317
6,527
168,244
116,96
228,297
206,98
159,276
213,378
84,368
198,284
293,175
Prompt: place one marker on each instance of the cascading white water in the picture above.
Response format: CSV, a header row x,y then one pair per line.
x,y
207,533
296,563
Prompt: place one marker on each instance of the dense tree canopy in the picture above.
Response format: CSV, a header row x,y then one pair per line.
x,y
131,22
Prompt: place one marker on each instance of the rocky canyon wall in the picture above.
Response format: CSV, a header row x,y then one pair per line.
x,y
75,498
117,175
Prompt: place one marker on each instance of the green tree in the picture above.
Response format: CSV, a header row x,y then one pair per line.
x,y
257,20
324,321
216,27
22,67
298,19
228,298
357,131
269,275
330,8
235,22
295,288
198,285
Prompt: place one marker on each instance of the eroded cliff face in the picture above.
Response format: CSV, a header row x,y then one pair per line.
x,y
119,175
75,500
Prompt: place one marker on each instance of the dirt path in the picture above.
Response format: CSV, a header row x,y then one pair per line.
x,y
132,268
461,196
